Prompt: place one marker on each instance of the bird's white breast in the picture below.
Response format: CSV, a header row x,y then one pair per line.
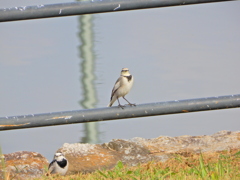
x,y
125,86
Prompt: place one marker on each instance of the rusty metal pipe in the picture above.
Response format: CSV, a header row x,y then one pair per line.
x,y
88,7
115,113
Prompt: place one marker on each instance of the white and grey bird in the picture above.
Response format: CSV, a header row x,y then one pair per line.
x,y
122,87
59,165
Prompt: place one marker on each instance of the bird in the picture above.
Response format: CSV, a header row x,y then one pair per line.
x,y
122,87
59,165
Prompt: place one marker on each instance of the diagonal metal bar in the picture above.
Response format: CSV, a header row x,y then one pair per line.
x,y
114,113
88,7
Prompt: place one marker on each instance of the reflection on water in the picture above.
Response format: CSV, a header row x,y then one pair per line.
x,y
87,80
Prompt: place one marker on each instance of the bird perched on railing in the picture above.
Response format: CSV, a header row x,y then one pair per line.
x,y
59,165
122,87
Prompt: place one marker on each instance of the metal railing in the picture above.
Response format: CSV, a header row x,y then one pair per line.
x,y
114,113
88,7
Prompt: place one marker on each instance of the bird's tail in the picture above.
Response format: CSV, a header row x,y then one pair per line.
x,y
113,99
110,104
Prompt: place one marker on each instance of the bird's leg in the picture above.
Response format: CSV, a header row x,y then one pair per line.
x,y
129,102
120,104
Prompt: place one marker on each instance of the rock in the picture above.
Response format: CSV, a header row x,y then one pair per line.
x,y
131,153
90,157
23,165
223,140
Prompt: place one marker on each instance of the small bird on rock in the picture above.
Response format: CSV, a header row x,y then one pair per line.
x,y
122,87
59,165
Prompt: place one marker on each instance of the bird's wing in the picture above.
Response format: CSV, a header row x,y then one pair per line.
x,y
116,86
51,167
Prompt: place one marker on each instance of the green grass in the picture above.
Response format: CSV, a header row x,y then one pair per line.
x,y
211,166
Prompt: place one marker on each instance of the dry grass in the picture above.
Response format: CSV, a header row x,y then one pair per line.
x,y
183,166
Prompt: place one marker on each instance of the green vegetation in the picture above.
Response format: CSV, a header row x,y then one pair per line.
x,y
187,166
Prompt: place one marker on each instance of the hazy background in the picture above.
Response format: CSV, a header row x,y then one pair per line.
x,y
174,53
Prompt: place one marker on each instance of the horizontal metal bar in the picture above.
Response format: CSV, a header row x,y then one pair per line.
x,y
114,113
87,7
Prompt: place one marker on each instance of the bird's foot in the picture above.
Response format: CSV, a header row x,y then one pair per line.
x,y
132,104
121,106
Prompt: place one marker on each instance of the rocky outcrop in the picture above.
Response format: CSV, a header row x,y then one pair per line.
x,y
88,157
223,140
91,157
22,165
